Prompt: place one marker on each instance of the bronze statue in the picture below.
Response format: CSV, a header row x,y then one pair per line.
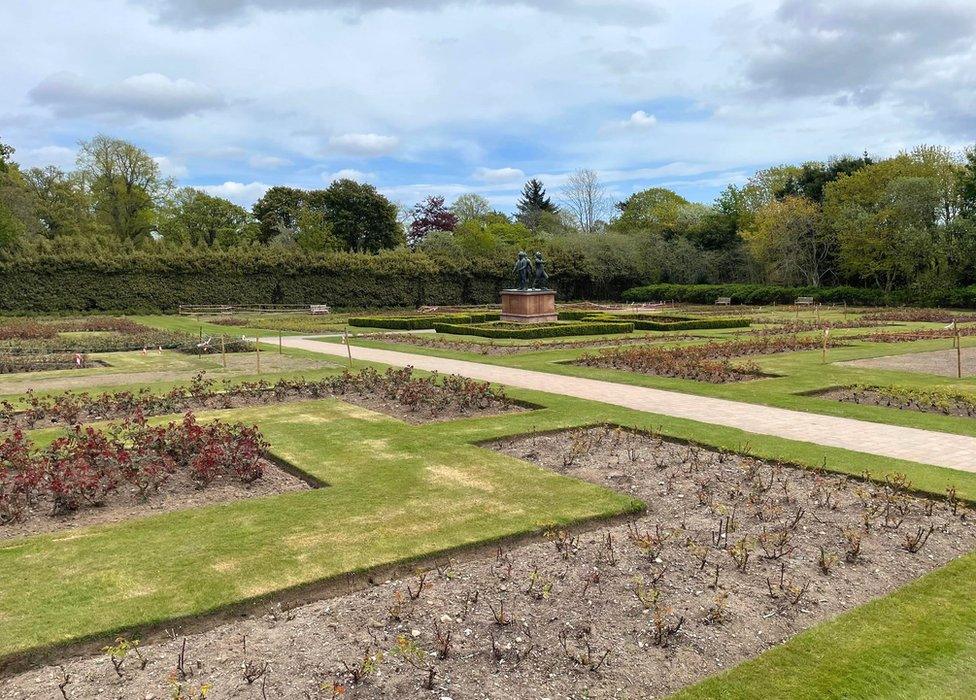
x,y
523,268
541,278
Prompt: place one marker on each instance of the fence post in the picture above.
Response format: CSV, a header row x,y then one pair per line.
x,y
958,354
223,351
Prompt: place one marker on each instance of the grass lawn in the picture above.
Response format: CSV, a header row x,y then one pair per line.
x,y
396,492
919,642
399,492
796,374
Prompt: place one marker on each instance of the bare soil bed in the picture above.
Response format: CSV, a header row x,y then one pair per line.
x,y
178,493
631,610
947,405
940,362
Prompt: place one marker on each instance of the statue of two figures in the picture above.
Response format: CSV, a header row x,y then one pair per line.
x,y
524,272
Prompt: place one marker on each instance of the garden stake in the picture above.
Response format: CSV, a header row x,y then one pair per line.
x,y
257,352
279,342
958,354
345,339
223,351
826,335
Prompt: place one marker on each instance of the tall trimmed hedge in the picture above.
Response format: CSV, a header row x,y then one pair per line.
x,y
163,281
964,297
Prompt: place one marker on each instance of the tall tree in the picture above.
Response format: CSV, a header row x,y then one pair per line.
x,y
470,206
430,215
790,240
277,211
655,210
362,219
586,198
885,216
6,153
125,185
200,219
534,204
60,201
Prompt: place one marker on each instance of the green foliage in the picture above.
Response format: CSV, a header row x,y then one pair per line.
x,y
419,322
964,297
197,218
362,219
656,322
531,332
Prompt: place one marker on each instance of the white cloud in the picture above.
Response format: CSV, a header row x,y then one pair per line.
x,y
641,120
349,174
498,174
268,162
638,121
237,192
150,95
170,168
364,144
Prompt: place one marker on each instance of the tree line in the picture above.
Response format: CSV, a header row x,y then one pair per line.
x,y
898,222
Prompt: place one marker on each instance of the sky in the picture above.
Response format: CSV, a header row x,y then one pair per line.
x,y
421,97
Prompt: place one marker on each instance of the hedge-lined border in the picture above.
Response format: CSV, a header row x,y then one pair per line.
x,y
756,294
413,323
532,333
650,322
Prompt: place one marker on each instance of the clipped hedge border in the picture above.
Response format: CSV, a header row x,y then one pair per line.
x,y
756,294
533,333
412,323
652,322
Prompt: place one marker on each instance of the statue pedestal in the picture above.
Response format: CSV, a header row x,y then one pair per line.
x,y
529,306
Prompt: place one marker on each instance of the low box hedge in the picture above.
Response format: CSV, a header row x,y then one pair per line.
x,y
412,323
755,294
655,322
535,332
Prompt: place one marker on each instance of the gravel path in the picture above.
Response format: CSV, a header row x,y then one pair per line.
x,y
927,447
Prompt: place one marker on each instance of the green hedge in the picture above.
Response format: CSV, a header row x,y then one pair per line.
x,y
161,281
413,323
535,332
653,322
964,297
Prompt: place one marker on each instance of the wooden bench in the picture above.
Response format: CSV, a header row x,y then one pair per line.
x,y
723,301
319,309
804,301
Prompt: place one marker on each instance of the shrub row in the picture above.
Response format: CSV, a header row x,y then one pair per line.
x,y
964,297
410,323
87,465
652,322
535,332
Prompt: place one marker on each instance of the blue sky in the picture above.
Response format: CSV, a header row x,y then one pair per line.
x,y
433,97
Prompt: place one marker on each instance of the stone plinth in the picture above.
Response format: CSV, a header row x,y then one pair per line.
x,y
529,306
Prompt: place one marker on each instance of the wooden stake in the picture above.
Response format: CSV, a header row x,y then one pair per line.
x,y
257,352
348,348
223,351
279,342
958,354
823,357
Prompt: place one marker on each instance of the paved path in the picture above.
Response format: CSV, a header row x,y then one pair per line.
x,y
928,447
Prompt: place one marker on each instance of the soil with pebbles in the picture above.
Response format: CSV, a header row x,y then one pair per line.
x,y
178,493
573,615
944,363
868,397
